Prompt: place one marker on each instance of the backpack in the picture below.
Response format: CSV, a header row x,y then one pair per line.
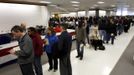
x,y
101,47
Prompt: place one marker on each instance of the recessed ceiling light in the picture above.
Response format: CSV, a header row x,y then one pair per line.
x,y
112,5
53,5
76,2
95,5
92,7
75,5
100,2
47,2
76,8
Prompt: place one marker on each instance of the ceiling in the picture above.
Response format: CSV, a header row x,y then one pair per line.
x,y
66,5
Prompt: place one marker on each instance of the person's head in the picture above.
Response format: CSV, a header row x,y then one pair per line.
x,y
50,31
17,32
23,25
81,24
111,21
32,31
64,26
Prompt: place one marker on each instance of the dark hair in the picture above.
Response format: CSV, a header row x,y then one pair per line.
x,y
52,30
17,28
80,24
64,26
32,29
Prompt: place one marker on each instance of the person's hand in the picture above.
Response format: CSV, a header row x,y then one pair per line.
x,y
12,51
112,34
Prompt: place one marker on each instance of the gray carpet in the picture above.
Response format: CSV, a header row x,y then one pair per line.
x,y
125,65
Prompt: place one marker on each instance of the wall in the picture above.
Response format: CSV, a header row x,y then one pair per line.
x,y
102,13
81,13
71,14
14,14
91,13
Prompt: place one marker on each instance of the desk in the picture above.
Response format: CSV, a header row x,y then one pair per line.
x,y
6,57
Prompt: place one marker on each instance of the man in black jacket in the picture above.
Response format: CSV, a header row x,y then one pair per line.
x,y
65,43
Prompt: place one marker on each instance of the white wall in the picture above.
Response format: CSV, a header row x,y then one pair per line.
x,y
91,13
81,13
14,14
102,13
71,14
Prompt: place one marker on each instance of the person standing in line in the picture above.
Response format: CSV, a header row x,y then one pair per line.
x,y
64,45
87,26
50,40
23,25
80,39
38,49
26,52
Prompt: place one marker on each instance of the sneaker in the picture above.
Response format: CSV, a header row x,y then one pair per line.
x,y
49,69
77,56
55,70
81,58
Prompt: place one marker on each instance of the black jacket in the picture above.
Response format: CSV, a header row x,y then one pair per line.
x,y
111,28
65,44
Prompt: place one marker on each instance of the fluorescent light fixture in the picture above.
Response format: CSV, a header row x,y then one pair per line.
x,y
76,8
92,7
95,5
112,5
75,2
75,5
53,5
47,2
100,2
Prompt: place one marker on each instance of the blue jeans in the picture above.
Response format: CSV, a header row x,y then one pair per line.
x,y
109,36
37,65
102,35
80,50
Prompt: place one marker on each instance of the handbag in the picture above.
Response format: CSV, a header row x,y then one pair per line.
x,y
101,47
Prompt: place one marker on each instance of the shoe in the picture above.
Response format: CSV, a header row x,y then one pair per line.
x,y
55,70
81,58
77,56
49,69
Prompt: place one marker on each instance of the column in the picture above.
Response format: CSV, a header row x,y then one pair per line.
x,y
108,13
97,12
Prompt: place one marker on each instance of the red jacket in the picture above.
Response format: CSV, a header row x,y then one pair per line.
x,y
57,29
37,44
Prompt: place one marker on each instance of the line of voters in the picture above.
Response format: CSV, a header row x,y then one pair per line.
x,y
94,31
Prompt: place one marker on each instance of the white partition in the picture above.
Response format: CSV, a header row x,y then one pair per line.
x,y
71,14
91,13
81,13
14,14
102,13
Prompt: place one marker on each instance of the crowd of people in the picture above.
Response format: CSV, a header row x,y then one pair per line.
x,y
94,31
